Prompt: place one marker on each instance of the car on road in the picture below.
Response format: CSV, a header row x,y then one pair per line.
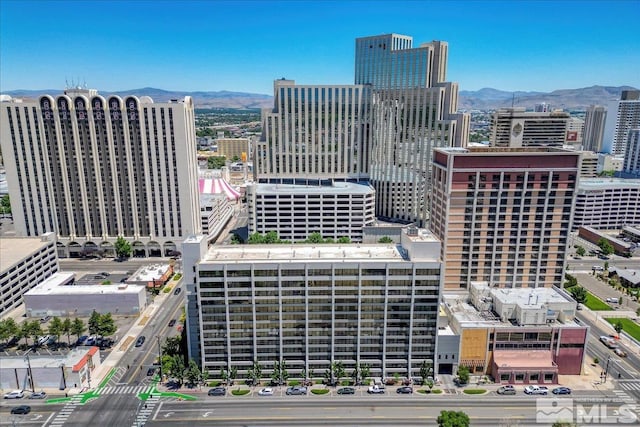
x,y
140,341
104,273
267,391
45,319
374,389
21,410
151,372
177,291
561,390
506,389
172,322
296,390
38,395
534,389
404,390
620,352
347,390
217,391
15,394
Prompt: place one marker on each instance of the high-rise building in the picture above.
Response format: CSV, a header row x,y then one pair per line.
x,y
503,214
589,164
515,127
542,107
382,129
594,121
607,204
623,116
91,168
575,131
312,305
413,111
632,154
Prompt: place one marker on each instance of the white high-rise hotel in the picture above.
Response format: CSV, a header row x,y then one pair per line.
x,y
381,130
91,169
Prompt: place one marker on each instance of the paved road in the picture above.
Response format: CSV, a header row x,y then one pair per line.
x,y
603,291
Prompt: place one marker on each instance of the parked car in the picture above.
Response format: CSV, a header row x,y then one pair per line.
x,y
217,391
151,372
374,389
81,340
22,410
15,394
297,390
534,389
105,274
620,352
418,380
506,389
347,390
43,339
140,341
404,390
90,341
267,391
172,323
38,395
561,390
177,291
45,319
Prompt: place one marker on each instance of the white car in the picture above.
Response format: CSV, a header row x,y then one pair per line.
x,y
267,391
15,394
534,389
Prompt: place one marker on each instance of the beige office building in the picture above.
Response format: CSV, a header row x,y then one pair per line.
x,y
515,128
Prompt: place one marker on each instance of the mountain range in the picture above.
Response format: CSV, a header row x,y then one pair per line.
x,y
483,99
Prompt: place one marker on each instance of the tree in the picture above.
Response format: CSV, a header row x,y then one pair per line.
x,y
355,374
122,247
78,327
580,251
606,265
338,370
315,238
618,326
275,374
430,384
5,205
605,246
55,327
204,375
571,281
94,323
579,294
638,312
271,237
8,329
171,346
175,368
32,330
426,369
463,374
192,373
365,371
233,374
344,239
236,239
596,360
453,419
66,329
107,325
385,239
255,372
216,162
620,301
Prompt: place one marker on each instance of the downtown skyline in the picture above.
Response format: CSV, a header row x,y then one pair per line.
x,y
244,46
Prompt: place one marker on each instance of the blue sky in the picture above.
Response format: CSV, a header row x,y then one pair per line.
x,y
245,45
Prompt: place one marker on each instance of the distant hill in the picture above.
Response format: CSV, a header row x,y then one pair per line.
x,y
569,99
483,99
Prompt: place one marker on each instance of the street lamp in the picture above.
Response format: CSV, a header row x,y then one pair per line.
x,y
30,371
159,356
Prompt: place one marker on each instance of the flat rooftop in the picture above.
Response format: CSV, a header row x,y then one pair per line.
x,y
149,272
296,189
57,285
527,296
607,183
505,150
523,359
15,249
303,253
70,359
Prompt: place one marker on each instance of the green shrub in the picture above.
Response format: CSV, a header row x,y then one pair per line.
x,y
166,290
240,392
177,276
320,390
294,383
475,391
427,391
345,383
214,383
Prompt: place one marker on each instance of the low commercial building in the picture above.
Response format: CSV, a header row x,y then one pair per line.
x,y
594,236
521,336
24,262
311,305
152,275
60,296
37,372
629,278
340,209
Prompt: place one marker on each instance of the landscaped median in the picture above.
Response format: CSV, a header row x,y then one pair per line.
x,y
596,304
427,391
628,325
475,391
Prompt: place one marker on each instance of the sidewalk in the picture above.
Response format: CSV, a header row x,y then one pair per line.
x,y
130,336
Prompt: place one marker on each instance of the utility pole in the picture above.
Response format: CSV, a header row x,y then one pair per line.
x,y
33,390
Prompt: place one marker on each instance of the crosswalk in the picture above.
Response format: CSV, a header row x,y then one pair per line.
x,y
624,396
134,389
62,416
145,411
633,385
